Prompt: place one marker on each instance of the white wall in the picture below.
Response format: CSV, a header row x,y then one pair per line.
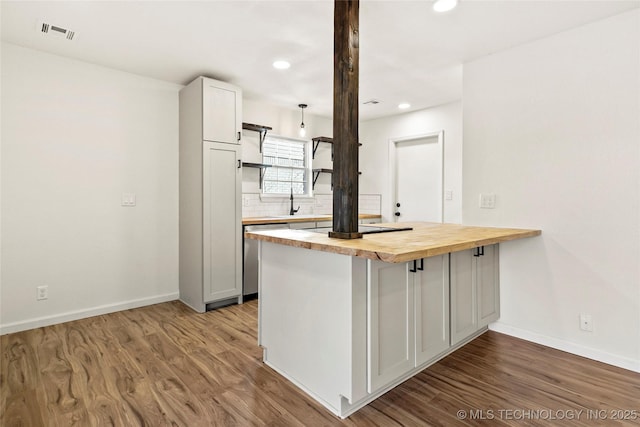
x,y
553,129
285,122
74,138
375,136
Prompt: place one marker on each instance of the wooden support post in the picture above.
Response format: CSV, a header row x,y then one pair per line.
x,y
345,119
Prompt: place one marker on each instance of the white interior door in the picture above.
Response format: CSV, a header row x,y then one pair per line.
x,y
418,178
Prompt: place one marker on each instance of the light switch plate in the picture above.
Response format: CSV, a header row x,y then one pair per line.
x,y
487,201
448,194
128,199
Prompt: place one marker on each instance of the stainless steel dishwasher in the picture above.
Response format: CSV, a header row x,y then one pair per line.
x,y
250,264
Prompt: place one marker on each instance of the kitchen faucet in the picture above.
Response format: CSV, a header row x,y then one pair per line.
x,y
292,211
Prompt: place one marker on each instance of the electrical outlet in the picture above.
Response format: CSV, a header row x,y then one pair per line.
x,y
488,201
448,194
42,293
586,322
128,199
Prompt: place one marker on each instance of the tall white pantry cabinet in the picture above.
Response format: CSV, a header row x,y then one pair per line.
x,y
210,193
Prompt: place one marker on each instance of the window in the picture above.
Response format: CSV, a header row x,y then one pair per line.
x,y
289,158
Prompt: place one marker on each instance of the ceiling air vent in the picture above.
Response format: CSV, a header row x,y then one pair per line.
x,y
371,102
56,31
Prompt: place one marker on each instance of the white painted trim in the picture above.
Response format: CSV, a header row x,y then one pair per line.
x,y
346,409
301,386
84,313
569,347
393,146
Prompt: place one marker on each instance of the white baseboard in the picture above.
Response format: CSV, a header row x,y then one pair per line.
x,y
84,313
569,347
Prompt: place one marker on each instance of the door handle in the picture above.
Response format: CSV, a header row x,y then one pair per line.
x,y
239,135
421,268
413,270
397,214
239,164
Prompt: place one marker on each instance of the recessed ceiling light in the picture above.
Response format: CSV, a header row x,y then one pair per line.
x,y
444,5
281,65
404,105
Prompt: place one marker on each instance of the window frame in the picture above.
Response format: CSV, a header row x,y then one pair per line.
x,y
307,168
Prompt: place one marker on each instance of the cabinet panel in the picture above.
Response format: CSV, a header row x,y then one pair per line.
x,y
390,323
431,287
463,298
222,228
221,111
475,291
487,280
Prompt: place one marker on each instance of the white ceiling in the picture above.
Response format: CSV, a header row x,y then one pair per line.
x,y
408,53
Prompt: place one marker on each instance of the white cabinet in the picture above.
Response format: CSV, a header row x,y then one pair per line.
x,y
390,323
221,112
408,317
348,329
222,221
475,291
488,285
431,287
210,212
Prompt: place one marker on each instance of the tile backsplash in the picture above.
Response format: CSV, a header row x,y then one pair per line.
x,y
255,205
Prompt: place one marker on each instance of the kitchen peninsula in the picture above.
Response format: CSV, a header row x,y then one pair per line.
x,y
347,320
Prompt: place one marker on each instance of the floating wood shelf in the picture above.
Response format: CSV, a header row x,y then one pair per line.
x,y
261,166
316,173
261,129
316,142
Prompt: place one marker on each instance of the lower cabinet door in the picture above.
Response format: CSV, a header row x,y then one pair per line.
x,y
475,291
488,285
390,323
431,287
463,296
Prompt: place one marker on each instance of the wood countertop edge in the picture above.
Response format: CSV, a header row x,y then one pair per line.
x,y
458,247
293,219
394,257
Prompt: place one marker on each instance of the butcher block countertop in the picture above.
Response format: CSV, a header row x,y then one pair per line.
x,y
286,219
425,240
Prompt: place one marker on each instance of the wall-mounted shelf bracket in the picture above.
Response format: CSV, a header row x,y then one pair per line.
x,y
317,140
316,173
260,166
261,129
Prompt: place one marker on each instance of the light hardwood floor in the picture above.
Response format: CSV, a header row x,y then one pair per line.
x,y
166,365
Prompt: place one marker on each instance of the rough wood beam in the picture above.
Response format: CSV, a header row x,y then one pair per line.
x,y
345,119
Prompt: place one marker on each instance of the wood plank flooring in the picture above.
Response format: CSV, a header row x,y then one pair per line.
x,y
165,365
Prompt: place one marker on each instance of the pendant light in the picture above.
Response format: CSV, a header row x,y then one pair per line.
x,y
303,131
